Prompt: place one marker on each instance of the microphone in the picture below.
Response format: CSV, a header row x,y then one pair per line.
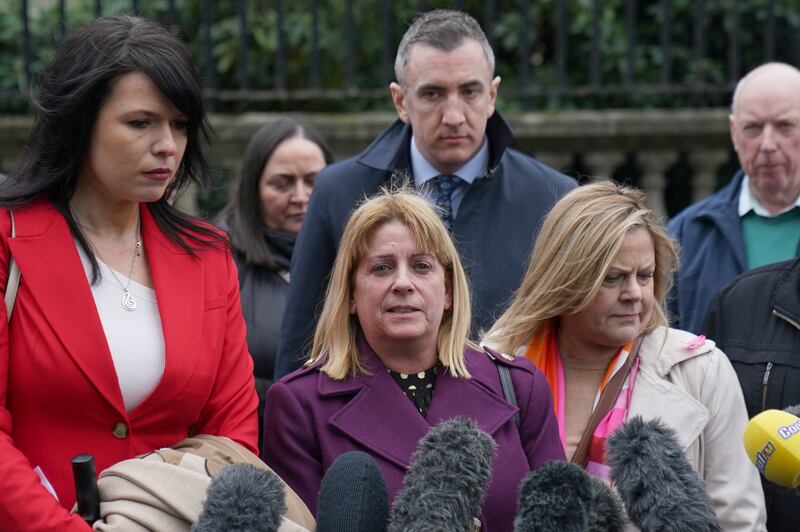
x,y
87,494
794,410
554,497
606,513
772,442
660,489
353,496
242,498
561,497
447,480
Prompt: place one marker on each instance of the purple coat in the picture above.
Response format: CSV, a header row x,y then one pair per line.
x,y
311,419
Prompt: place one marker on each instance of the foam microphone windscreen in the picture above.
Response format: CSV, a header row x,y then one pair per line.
x,y
447,480
772,441
242,498
794,410
555,497
561,497
660,489
606,513
352,496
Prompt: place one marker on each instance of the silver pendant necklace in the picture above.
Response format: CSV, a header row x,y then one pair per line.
x,y
128,302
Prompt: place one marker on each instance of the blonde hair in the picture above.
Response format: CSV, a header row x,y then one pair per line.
x,y
336,336
576,246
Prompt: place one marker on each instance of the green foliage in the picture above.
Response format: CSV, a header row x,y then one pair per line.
x,y
355,63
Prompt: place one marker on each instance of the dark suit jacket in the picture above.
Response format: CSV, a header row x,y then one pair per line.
x,y
59,394
311,419
494,231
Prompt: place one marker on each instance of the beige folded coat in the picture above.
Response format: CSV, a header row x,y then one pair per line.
x,y
165,490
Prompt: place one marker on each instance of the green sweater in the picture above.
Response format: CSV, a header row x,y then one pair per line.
x,y
770,239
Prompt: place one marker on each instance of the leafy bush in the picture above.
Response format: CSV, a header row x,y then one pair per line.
x,y
366,51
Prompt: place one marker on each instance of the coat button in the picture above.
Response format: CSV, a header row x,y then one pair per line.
x,y
120,431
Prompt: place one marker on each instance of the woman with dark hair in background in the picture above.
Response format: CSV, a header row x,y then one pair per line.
x,y
126,334
264,214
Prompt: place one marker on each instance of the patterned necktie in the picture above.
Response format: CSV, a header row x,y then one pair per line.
x,y
443,187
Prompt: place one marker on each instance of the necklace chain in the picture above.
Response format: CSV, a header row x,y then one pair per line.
x,y
128,301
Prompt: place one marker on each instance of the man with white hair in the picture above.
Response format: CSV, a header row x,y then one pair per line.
x,y
754,220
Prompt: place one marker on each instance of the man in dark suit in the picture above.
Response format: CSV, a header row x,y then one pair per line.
x,y
452,146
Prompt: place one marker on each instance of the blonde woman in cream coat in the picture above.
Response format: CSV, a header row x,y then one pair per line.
x,y
591,310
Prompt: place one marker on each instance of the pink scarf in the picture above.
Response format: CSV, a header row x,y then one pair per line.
x,y
543,351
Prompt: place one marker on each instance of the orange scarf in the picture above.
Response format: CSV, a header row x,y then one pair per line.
x,y
544,353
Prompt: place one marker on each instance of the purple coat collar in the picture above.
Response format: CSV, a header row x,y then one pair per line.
x,y
380,407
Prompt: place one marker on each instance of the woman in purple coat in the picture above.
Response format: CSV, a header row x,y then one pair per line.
x,y
391,359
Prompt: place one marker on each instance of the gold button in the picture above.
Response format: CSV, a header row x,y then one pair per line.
x,y
120,431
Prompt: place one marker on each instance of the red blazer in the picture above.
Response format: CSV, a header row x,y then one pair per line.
x,y
59,394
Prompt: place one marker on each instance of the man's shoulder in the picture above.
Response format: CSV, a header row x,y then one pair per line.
x,y
759,280
366,170
719,201
704,205
347,182
513,156
345,168
523,167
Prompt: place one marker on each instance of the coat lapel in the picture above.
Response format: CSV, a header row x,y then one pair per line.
x,y
471,398
671,404
381,418
66,302
51,270
178,282
659,398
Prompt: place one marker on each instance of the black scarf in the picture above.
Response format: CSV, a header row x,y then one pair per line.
x,y
281,246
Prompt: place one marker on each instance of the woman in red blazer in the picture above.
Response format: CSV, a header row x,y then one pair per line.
x,y
126,333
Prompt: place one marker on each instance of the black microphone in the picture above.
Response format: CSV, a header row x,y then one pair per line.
x,y
561,497
242,498
353,496
606,513
660,489
447,480
555,497
86,493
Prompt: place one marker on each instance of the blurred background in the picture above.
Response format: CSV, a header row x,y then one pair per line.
x,y
634,90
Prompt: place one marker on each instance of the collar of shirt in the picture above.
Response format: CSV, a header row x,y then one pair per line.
x,y
424,171
748,202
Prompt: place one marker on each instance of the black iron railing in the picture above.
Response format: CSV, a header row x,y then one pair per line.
x,y
332,54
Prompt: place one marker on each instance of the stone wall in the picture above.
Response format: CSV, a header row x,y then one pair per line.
x,y
669,153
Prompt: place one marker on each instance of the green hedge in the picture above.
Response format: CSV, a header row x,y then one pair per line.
x,y
687,69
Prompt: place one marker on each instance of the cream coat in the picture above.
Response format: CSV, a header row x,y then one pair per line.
x,y
695,391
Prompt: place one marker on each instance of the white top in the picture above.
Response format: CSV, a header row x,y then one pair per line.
x,y
472,169
135,339
748,202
